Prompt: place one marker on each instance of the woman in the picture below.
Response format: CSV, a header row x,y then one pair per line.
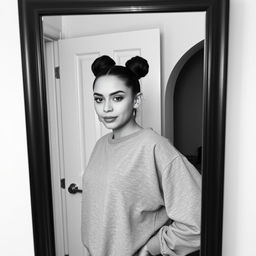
x,y
140,195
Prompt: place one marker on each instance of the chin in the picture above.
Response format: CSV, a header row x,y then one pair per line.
x,y
110,126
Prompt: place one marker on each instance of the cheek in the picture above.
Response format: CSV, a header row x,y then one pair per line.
x,y
126,108
97,108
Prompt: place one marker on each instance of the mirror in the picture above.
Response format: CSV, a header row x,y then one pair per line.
x,y
185,34
170,43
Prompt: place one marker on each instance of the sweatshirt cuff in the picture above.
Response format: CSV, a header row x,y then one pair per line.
x,y
153,245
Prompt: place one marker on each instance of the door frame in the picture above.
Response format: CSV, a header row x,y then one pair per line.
x,y
214,107
55,146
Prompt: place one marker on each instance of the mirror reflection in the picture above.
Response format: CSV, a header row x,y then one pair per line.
x,y
125,133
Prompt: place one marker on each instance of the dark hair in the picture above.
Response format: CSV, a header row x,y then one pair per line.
x,y
134,69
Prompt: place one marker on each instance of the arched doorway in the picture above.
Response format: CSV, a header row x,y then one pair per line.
x,y
184,95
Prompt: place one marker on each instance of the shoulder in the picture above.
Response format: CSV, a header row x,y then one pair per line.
x,y
158,140
152,137
103,140
164,150
100,143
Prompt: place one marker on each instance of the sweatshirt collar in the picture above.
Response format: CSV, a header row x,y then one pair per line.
x,y
125,138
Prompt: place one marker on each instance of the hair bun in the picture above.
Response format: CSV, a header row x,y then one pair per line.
x,y
138,65
102,64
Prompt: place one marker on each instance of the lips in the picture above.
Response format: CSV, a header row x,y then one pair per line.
x,y
109,119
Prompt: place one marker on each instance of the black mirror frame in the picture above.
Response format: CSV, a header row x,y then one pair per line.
x,y
214,108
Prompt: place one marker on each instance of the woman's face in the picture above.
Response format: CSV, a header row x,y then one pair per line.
x,y
113,102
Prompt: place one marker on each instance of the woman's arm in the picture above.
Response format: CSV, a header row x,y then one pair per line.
x,y
181,184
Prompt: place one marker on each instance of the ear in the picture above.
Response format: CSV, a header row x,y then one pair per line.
x,y
137,100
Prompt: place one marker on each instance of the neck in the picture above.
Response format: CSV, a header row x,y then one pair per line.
x,y
129,128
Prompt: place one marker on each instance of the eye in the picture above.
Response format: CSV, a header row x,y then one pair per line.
x,y
118,98
97,99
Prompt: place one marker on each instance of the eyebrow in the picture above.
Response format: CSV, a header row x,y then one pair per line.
x,y
98,94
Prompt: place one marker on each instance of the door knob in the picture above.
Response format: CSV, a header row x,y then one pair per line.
x,y
73,189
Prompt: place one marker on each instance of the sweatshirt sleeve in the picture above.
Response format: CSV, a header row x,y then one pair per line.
x,y
181,184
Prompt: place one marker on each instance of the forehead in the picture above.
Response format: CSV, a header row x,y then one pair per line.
x,y
109,84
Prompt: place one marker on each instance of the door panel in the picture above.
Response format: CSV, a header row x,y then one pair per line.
x,y
80,125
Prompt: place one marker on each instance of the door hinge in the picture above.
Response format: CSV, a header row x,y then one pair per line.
x,y
57,72
62,185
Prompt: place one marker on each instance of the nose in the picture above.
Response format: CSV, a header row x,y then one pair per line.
x,y
107,106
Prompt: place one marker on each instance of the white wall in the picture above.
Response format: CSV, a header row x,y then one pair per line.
x,y
52,26
15,214
53,21
240,178
240,187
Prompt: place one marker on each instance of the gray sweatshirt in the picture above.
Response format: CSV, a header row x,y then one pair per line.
x,y
139,191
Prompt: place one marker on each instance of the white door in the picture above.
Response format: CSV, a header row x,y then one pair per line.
x,y
79,123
